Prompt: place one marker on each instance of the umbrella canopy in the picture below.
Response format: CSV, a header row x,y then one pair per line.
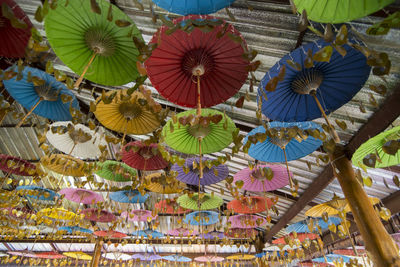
x,y
184,138
110,234
49,98
193,7
18,166
337,81
163,184
209,258
79,255
23,253
379,151
190,175
240,257
302,226
333,258
147,257
15,30
75,230
179,57
182,232
49,255
126,114
139,215
207,201
79,36
259,180
64,164
75,140
80,195
169,206
96,215
129,196
37,192
118,256
252,204
339,11
140,156
116,171
247,221
240,232
201,218
177,258
350,251
300,236
57,214
212,235
274,147
148,233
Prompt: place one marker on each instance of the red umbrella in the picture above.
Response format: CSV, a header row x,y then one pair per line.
x,y
49,255
95,215
300,236
349,252
182,60
14,36
170,207
14,165
140,156
110,234
251,204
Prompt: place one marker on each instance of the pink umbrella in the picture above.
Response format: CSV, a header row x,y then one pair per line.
x,y
247,221
139,215
95,215
110,234
49,255
182,232
209,258
83,196
255,181
23,253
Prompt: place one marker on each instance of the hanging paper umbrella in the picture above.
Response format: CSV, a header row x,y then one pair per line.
x,y
49,255
314,264
380,151
212,235
15,30
41,94
75,230
116,171
177,258
216,136
79,255
18,166
139,215
302,226
193,7
182,232
110,234
187,68
261,255
9,199
163,184
201,218
148,233
207,201
190,175
350,251
300,236
330,84
147,257
127,114
333,258
57,214
140,156
23,253
247,221
75,140
252,204
129,196
240,232
169,206
96,215
64,164
37,193
263,178
19,214
97,44
118,256
80,195
209,258
240,257
340,11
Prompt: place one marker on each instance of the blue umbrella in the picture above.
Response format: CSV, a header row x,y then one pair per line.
x,y
129,196
44,100
75,229
212,235
333,258
337,82
260,255
43,194
148,233
177,258
201,218
193,7
301,227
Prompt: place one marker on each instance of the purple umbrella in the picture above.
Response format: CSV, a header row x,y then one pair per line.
x,y
182,232
210,175
247,221
80,195
146,257
213,235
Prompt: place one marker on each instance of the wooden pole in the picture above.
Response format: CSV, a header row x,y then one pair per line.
x,y
378,243
97,253
80,79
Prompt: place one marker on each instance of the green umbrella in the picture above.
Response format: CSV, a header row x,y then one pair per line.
x,y
116,171
99,46
379,151
339,11
207,202
184,138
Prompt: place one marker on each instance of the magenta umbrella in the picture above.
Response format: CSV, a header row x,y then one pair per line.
x,y
246,221
254,181
23,253
96,215
138,215
209,258
83,196
182,232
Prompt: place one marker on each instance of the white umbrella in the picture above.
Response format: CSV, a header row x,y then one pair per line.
x,y
116,256
75,140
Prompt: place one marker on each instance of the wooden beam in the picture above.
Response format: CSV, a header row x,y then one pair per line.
x,y
378,122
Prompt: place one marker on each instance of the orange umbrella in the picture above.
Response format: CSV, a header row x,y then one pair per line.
x,y
251,204
300,236
64,164
163,184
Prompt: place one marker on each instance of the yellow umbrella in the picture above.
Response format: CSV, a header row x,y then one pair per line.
x,y
64,164
163,184
9,199
134,114
79,255
57,213
240,257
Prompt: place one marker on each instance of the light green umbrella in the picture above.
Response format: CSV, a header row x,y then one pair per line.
x,y
184,138
97,46
116,171
379,151
207,202
339,11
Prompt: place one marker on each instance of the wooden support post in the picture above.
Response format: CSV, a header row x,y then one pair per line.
x,y
97,253
380,246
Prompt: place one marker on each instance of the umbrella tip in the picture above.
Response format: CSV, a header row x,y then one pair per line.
x,y
198,70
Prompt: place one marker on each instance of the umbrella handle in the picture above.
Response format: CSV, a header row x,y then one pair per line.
x,y
200,161
287,168
198,94
332,129
79,81
29,113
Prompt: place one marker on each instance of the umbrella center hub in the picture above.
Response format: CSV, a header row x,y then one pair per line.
x,y
79,136
280,138
197,170
140,213
130,110
199,131
46,92
146,153
3,22
197,62
258,175
100,42
307,82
